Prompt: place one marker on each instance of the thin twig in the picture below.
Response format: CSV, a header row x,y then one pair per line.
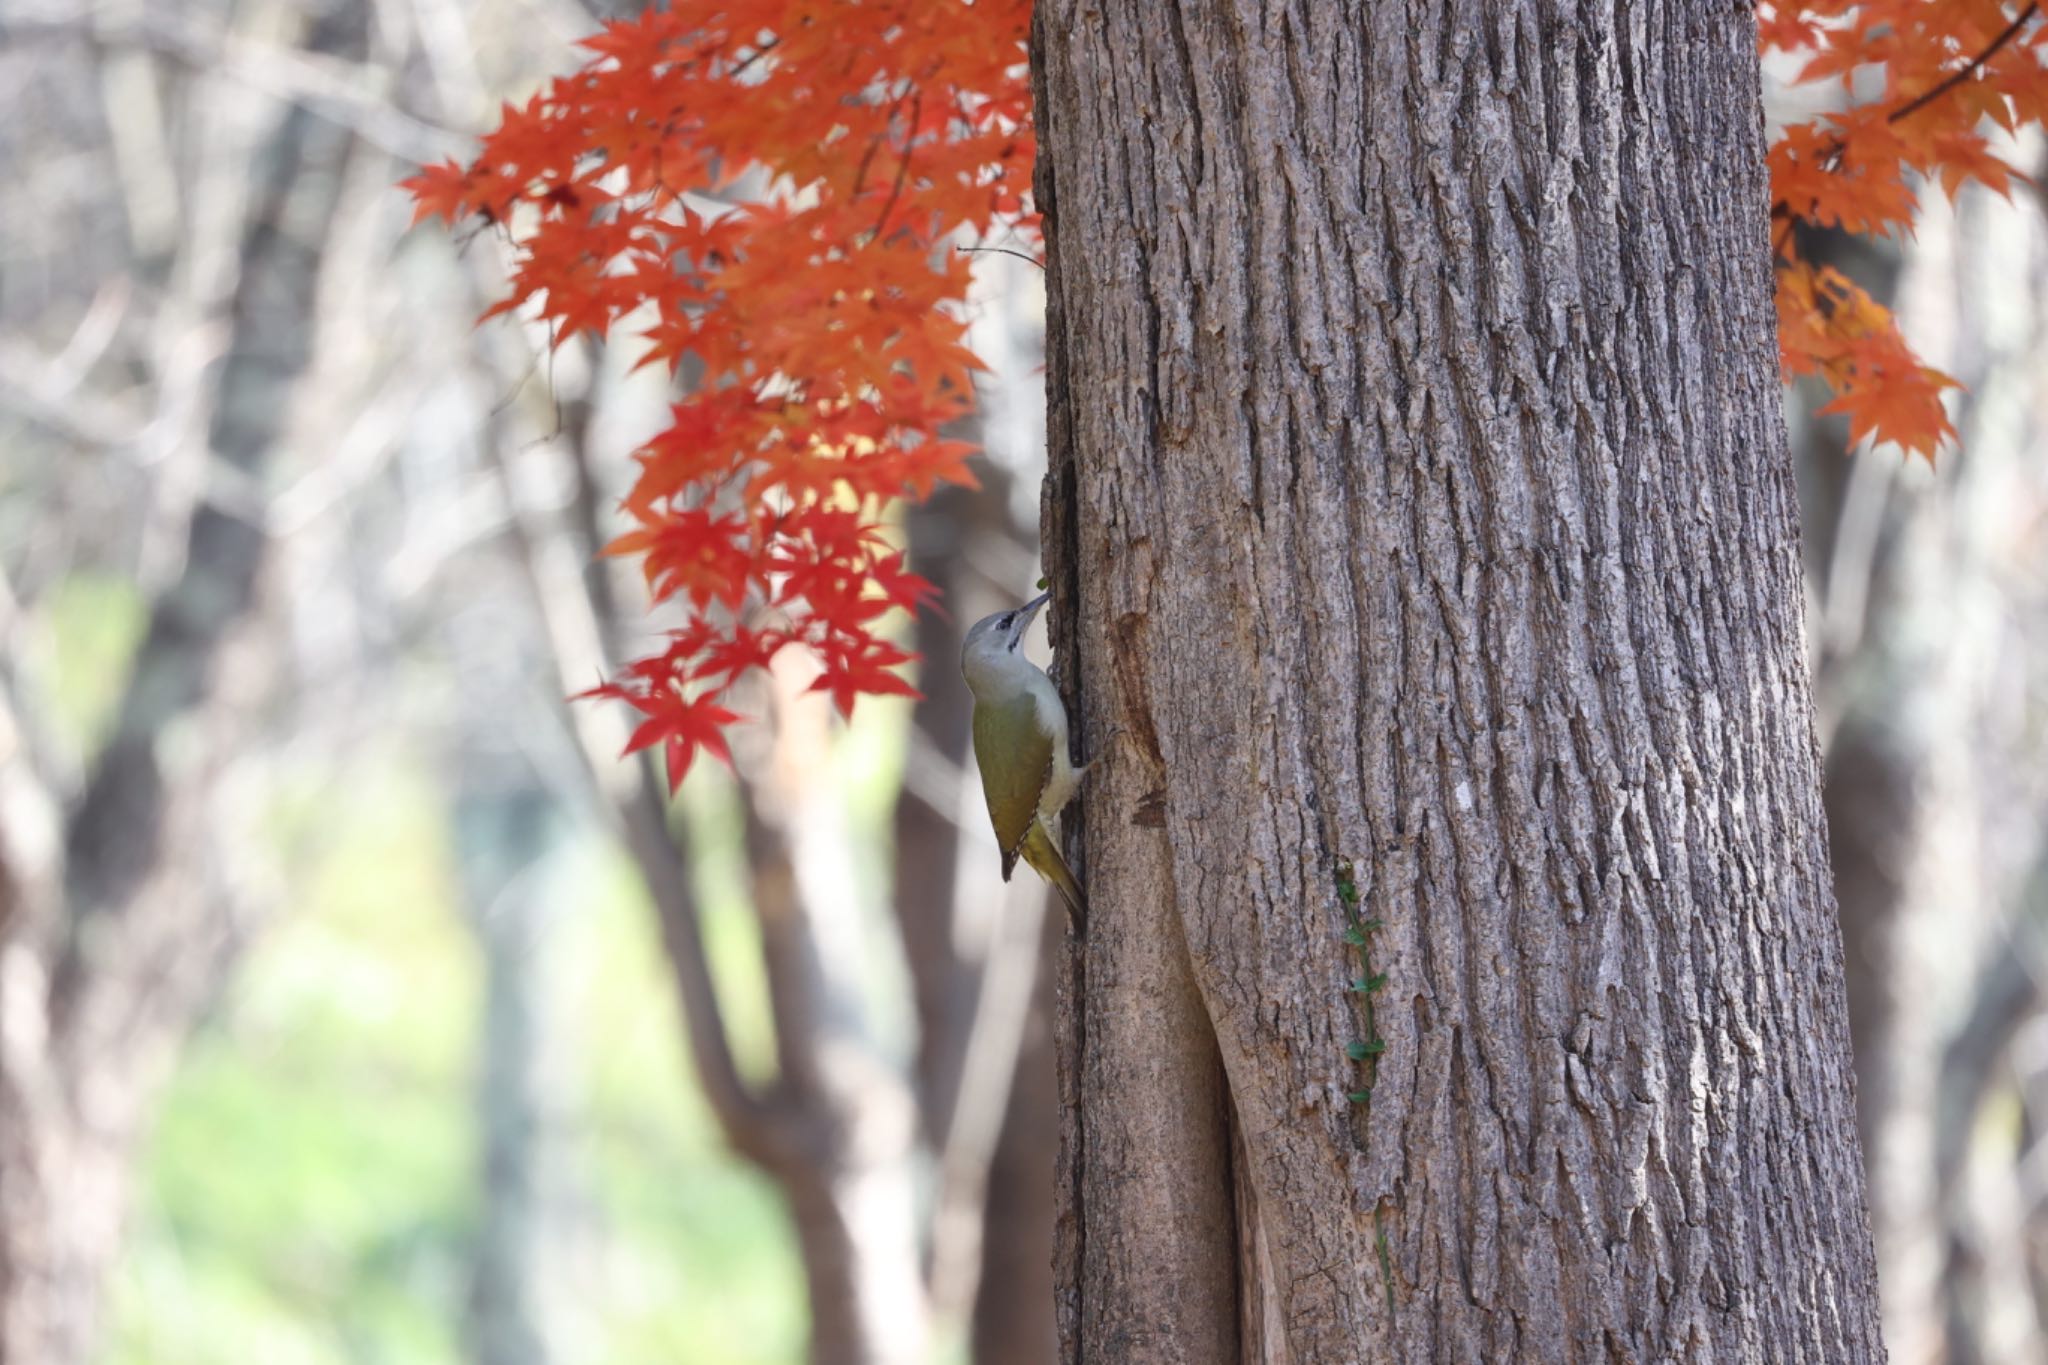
x,y
860,174
740,68
902,167
1020,255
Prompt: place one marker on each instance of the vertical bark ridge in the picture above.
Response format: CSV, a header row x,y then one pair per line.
x,y
1144,1247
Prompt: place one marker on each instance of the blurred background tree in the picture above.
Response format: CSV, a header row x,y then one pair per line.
x,y
1927,599
357,1004
299,569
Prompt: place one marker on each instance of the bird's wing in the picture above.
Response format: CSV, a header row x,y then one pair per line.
x,y
1014,754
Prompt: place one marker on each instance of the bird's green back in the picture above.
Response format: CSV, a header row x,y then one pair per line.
x,y
1014,754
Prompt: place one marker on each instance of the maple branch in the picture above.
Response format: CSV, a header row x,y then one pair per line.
x,y
860,174
740,68
566,577
902,167
1783,239
1976,63
1832,153
867,158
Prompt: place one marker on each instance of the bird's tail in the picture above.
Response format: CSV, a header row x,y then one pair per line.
x,y
1044,857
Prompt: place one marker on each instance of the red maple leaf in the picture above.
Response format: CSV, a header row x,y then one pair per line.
x,y
822,317
1950,72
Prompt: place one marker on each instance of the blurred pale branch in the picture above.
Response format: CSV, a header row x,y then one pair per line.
x,y
47,388
356,95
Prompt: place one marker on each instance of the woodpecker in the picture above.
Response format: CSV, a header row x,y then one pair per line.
x,y
1020,745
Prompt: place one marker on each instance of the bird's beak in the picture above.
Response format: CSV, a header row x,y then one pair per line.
x,y
1025,615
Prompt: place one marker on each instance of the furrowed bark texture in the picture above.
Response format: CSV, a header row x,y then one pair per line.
x,y
1420,496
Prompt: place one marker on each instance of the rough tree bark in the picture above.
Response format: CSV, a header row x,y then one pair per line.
x,y
1421,497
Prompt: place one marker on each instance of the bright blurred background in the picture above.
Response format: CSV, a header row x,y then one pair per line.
x,y
356,1004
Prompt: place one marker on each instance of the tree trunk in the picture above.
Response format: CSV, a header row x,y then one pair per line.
x,y
835,1129
1954,631
507,825
1013,1321
114,927
1978,280
1893,693
1421,498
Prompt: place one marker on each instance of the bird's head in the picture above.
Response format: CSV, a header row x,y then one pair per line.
x,y
1000,634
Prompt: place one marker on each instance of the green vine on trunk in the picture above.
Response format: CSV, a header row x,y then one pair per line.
x,y
1366,1052
1379,1239
1357,932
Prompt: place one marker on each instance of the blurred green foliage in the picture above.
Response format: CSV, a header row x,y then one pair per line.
x,y
313,1192
80,662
